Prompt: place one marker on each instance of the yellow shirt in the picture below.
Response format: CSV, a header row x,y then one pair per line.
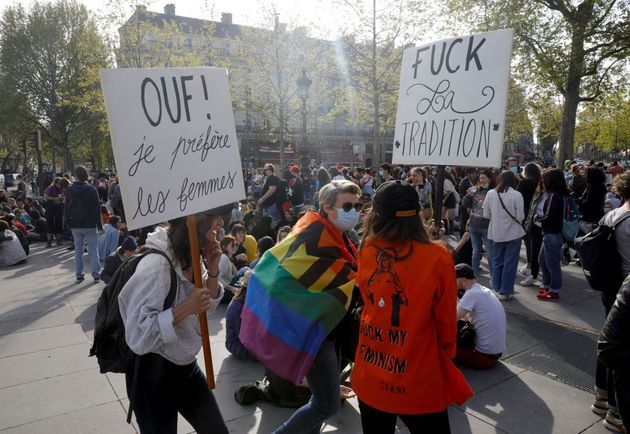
x,y
251,248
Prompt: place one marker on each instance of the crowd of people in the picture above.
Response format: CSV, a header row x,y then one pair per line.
x,y
337,264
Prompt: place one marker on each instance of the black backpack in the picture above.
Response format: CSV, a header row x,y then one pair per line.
x,y
110,347
600,259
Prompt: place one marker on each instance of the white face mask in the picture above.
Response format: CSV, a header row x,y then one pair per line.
x,y
381,173
346,220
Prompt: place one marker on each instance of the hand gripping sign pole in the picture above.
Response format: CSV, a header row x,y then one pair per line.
x,y
191,222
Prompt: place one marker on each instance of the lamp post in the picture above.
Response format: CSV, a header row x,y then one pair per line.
x,y
303,84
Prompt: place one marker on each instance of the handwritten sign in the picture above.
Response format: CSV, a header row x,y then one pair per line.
x,y
174,141
452,102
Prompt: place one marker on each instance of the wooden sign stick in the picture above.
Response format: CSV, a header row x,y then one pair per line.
x,y
191,222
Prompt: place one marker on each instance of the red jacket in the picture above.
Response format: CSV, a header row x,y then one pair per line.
x,y
407,341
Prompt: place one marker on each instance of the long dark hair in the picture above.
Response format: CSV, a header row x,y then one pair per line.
x,y
532,172
180,244
394,229
553,180
507,180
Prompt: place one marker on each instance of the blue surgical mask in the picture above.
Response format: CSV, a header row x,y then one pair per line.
x,y
514,169
381,173
346,220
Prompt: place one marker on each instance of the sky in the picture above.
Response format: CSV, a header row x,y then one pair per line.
x,y
246,12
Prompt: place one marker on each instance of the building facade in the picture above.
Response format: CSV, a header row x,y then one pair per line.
x,y
276,120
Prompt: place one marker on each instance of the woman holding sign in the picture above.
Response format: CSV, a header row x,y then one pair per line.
x,y
169,380
403,364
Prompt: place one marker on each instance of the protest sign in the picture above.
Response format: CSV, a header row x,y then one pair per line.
x,y
452,102
174,141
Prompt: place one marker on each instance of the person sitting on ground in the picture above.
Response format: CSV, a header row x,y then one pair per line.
x,y
19,230
227,269
245,246
11,251
108,240
114,260
39,227
481,307
264,244
233,322
282,233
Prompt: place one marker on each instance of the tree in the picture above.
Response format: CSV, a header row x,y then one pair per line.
x,y
604,124
373,43
50,56
518,125
147,39
15,123
570,45
265,69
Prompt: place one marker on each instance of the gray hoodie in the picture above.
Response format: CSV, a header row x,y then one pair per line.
x,y
149,329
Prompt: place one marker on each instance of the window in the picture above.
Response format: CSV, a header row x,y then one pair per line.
x,y
187,43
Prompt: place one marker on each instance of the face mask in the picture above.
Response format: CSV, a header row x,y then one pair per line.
x,y
434,172
381,173
514,169
483,184
346,220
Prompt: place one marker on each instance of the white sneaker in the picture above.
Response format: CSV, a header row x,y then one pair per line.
x,y
505,297
525,271
528,281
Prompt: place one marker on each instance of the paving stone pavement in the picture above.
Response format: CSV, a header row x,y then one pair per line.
x,y
49,385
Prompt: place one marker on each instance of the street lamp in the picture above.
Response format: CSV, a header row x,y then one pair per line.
x,y
303,84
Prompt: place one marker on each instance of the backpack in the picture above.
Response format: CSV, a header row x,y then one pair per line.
x,y
78,208
600,259
110,347
570,219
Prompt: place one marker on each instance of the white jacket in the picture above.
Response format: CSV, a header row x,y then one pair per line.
x,y
149,329
502,227
11,251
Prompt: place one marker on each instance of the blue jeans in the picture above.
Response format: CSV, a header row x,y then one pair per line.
x,y
504,263
274,212
89,236
477,237
323,379
550,258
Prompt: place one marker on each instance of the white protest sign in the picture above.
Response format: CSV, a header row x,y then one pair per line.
x,y
452,102
174,141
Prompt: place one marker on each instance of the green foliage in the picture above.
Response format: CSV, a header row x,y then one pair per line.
x,y
605,123
50,57
374,37
574,47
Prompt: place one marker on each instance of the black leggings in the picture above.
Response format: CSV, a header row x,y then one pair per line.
x,y
379,422
163,389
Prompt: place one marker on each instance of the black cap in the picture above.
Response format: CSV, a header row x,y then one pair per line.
x,y
465,271
396,199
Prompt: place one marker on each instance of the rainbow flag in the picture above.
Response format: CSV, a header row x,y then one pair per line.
x,y
299,292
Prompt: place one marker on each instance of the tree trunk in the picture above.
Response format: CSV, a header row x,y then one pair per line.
x,y
567,130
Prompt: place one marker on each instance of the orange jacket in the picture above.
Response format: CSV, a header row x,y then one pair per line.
x,y
408,329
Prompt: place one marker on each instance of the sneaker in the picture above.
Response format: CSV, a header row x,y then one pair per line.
x,y
80,279
70,247
613,422
600,406
97,279
505,297
548,296
542,290
528,281
525,271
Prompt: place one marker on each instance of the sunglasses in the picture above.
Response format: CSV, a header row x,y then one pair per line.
x,y
347,206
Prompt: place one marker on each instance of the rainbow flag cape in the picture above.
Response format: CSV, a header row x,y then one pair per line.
x,y
299,292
